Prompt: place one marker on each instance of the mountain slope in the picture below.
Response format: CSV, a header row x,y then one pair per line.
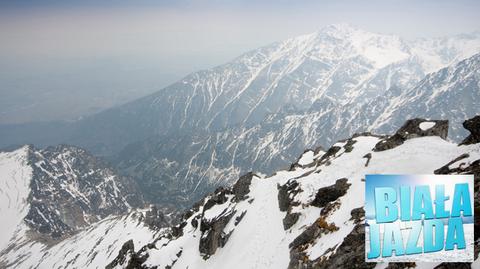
x,y
452,92
15,182
51,194
339,63
92,247
310,216
266,106
194,164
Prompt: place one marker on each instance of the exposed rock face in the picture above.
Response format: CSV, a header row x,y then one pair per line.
x,y
411,129
446,169
331,193
204,114
454,265
358,214
286,194
213,235
219,197
329,154
126,252
127,258
71,189
242,187
290,219
473,125
156,219
351,252
330,240
401,265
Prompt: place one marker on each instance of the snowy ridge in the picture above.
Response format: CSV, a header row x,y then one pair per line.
x,y
268,105
265,107
93,247
15,179
63,208
219,158
71,189
309,215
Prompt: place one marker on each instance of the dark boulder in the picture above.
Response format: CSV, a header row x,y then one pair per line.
x,y
290,219
473,125
213,235
311,233
357,215
329,208
453,265
328,155
349,145
401,265
127,258
242,187
286,194
411,129
331,193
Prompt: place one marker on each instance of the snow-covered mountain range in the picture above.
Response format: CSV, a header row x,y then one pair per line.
x,y
310,216
58,200
265,107
262,109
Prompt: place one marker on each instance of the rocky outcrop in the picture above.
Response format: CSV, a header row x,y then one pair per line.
x,y
290,219
411,129
331,193
401,265
447,169
155,218
214,219
213,235
127,258
351,252
286,194
349,145
329,154
453,265
219,197
71,189
358,215
242,187
286,200
473,125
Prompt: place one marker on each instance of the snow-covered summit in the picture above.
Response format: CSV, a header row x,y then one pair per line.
x,y
265,107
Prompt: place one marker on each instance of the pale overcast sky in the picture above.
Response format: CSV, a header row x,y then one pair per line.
x,y
154,43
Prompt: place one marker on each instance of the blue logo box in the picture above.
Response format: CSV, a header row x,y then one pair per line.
x,y
419,218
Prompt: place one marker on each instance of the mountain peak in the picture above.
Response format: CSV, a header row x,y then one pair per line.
x,y
339,27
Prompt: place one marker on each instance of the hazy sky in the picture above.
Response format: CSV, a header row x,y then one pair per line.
x,y
148,44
